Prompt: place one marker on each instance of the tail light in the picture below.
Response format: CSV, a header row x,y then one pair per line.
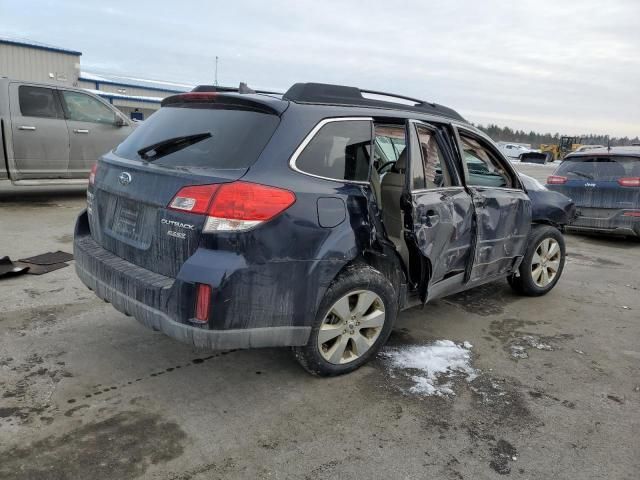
x,y
629,182
194,199
631,214
233,207
203,302
92,174
556,180
190,97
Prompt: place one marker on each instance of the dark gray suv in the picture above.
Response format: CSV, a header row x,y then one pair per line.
x,y
309,219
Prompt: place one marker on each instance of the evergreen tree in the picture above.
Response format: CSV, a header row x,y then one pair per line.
x,y
535,139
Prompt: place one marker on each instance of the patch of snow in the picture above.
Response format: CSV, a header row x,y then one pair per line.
x,y
520,345
518,351
517,162
535,342
430,367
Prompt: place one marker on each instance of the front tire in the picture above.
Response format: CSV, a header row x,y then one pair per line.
x,y
542,264
353,322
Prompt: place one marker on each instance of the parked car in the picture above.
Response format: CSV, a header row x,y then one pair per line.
x,y
605,186
514,150
53,134
584,148
308,220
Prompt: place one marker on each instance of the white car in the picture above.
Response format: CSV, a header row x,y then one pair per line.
x,y
514,150
584,148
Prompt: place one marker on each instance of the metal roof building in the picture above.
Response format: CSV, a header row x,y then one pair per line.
x,y
131,95
38,62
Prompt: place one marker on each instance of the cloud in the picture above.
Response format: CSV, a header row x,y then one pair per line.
x,y
541,64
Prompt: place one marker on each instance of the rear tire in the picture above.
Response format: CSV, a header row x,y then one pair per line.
x,y
353,322
542,264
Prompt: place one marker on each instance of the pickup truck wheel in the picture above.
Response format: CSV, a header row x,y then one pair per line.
x,y
542,264
353,322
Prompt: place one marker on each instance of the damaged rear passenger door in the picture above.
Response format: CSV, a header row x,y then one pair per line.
x,y
441,220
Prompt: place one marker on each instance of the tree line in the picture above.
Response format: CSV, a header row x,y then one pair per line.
x,y
506,134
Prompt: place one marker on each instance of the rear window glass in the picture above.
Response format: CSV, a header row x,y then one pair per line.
x,y
236,137
600,168
37,102
340,150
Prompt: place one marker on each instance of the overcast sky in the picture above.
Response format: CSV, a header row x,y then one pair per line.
x,y
547,65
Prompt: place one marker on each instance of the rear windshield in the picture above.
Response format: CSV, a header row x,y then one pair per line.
x,y
236,137
600,168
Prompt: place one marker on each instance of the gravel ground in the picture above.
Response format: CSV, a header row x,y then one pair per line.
x,y
86,392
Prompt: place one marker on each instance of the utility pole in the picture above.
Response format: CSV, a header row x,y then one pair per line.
x,y
216,79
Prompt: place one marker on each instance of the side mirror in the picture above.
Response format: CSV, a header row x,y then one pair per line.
x,y
119,121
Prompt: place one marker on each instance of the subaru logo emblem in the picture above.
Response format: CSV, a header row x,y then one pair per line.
x,y
124,178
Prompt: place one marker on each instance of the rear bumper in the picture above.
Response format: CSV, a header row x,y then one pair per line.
x,y
158,301
610,221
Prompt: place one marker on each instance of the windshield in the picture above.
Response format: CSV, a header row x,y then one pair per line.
x,y
226,138
481,173
599,168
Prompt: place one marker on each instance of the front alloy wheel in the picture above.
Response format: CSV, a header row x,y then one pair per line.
x,y
351,327
545,262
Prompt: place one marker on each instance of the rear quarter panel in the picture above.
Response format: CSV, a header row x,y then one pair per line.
x,y
280,271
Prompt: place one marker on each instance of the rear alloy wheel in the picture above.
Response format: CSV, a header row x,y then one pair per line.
x,y
354,320
351,327
543,262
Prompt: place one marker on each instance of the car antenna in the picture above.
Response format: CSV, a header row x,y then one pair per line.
x,y
608,143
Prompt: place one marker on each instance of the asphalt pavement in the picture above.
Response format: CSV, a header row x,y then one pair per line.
x,y
86,392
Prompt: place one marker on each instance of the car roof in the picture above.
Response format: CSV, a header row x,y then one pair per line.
x,y
340,100
604,151
317,110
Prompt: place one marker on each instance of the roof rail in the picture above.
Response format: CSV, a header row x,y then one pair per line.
x,y
324,93
242,88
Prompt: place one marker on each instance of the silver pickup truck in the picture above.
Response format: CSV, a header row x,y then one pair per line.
x,y
52,134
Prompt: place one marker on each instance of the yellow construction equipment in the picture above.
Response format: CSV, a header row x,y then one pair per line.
x,y
559,151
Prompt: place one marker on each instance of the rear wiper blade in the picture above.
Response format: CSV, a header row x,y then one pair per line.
x,y
580,174
166,147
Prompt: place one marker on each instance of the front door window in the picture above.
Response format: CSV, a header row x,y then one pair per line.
x,y
483,168
83,108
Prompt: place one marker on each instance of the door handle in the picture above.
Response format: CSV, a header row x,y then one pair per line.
x,y
81,130
26,127
430,218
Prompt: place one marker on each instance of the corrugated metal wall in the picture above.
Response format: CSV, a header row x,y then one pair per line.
x,y
133,91
37,65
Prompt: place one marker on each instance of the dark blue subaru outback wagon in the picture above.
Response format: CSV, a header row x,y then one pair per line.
x,y
309,219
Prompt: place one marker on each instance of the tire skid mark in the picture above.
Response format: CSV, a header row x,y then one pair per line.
x,y
194,362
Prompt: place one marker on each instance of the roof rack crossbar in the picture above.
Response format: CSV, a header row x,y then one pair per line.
x,y
395,95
